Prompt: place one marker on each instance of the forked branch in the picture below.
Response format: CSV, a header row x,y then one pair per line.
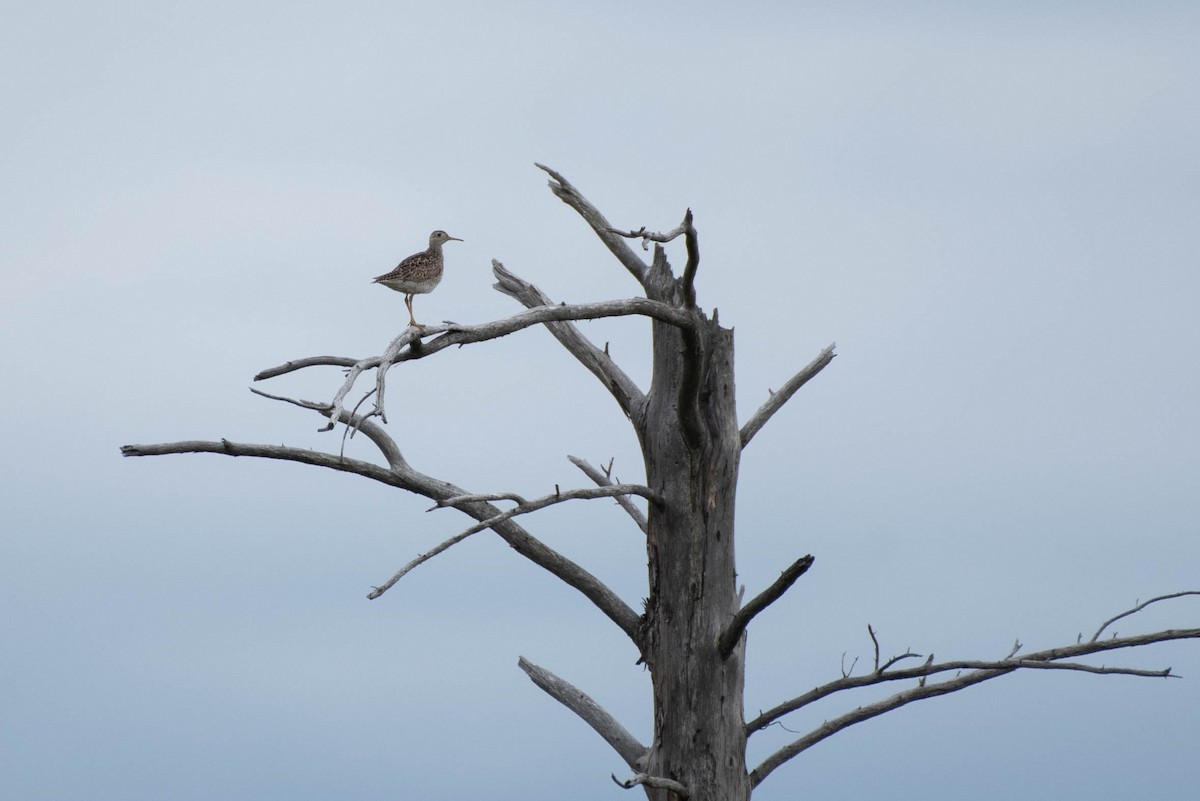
x,y
594,715
777,399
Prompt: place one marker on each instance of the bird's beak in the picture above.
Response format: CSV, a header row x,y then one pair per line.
x,y
454,239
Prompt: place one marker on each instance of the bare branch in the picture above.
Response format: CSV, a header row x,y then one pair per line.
x,y
523,508
733,632
1139,607
980,671
229,448
680,790
857,716
300,364
404,477
777,399
596,716
568,194
875,641
628,395
1043,660
604,479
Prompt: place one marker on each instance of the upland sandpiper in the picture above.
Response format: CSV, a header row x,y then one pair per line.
x,y
419,273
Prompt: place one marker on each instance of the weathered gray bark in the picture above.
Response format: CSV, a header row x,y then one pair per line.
x,y
691,445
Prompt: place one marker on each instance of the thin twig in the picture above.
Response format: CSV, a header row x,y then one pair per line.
x,y
586,493
1139,607
604,479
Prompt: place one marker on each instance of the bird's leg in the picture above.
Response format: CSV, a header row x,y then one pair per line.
x,y
408,299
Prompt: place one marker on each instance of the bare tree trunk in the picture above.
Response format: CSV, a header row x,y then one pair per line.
x,y
692,447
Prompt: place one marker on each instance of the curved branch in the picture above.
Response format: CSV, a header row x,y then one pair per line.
x,y
777,399
733,632
594,715
1139,607
418,483
568,194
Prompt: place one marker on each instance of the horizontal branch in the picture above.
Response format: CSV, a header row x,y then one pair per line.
x,y
568,194
603,479
733,632
522,508
981,670
594,715
418,483
777,399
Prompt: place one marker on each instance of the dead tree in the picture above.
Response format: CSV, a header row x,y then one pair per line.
x,y
691,632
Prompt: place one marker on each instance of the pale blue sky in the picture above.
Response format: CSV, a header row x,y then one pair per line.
x,y
992,212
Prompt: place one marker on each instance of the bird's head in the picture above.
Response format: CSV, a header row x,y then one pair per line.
x,y
438,237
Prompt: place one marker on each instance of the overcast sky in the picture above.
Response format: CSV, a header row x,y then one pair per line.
x,y
992,212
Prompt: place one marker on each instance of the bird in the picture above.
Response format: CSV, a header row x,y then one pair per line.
x,y
419,273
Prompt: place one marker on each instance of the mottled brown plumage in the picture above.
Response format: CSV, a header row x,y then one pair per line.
x,y
419,273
